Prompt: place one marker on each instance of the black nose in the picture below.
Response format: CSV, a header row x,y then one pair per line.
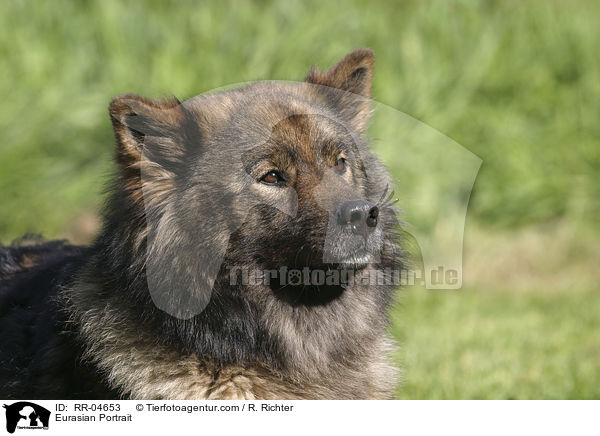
x,y
359,214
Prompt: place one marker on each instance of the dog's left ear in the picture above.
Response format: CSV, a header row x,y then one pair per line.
x,y
353,75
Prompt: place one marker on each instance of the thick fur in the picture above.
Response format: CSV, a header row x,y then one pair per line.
x,y
80,323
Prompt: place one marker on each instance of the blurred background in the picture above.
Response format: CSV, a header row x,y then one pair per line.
x,y
516,83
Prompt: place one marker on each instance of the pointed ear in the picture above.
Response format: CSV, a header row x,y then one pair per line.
x,y
141,124
353,75
150,146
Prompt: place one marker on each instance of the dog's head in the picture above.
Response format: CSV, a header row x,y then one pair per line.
x,y
265,176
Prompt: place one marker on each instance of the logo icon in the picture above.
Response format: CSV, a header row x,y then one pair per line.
x,y
26,415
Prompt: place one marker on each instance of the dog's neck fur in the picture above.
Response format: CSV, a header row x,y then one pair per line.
x,y
133,363
332,351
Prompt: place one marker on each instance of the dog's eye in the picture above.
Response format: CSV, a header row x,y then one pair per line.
x,y
272,178
340,165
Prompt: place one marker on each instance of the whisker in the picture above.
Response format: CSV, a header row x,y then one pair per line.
x,y
384,193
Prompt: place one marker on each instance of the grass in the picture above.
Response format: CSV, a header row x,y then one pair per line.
x,y
514,82
498,345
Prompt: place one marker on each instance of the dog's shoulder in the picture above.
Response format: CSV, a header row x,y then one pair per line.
x,y
30,252
37,346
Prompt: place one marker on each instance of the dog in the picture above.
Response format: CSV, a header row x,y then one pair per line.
x,y
274,177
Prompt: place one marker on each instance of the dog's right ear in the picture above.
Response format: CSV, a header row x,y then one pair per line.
x,y
144,126
150,145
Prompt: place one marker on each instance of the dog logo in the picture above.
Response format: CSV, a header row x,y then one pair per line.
x,y
26,415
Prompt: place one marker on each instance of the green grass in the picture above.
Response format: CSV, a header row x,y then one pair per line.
x,y
515,82
498,345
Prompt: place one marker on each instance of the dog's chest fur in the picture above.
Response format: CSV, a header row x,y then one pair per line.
x,y
138,366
